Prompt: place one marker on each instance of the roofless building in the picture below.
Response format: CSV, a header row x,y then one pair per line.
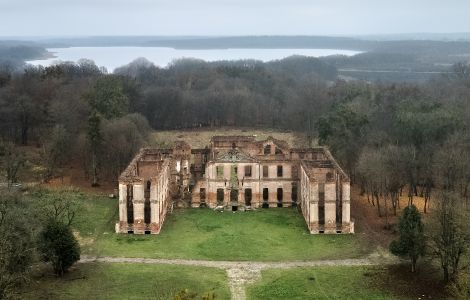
x,y
235,173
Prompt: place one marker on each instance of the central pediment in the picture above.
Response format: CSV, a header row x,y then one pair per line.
x,y
234,155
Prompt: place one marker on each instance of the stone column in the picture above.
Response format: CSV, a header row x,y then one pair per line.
x,y
154,208
122,225
346,213
313,209
138,201
330,207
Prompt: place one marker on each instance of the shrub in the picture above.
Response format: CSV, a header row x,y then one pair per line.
x,y
59,246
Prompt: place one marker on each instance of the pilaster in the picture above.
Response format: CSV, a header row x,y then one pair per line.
x,y
330,207
138,201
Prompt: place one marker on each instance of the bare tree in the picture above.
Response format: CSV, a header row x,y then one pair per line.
x,y
12,160
450,234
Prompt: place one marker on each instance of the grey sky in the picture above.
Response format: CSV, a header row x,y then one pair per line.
x,y
231,17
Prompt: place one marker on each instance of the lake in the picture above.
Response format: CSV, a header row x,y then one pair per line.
x,y
113,57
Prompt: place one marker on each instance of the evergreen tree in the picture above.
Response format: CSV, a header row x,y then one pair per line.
x,y
411,241
59,246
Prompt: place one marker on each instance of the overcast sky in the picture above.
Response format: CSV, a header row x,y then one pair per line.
x,y
231,17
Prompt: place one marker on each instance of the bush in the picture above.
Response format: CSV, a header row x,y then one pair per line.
x,y
59,246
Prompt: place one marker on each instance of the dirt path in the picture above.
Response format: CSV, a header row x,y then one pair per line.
x,y
242,273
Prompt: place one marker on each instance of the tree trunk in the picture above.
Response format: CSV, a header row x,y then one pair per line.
x,y
413,265
24,135
446,273
94,170
410,195
394,197
378,204
387,225
427,196
421,193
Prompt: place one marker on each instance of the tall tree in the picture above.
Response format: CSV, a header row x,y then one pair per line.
x,y
95,139
411,242
12,160
108,98
54,150
450,234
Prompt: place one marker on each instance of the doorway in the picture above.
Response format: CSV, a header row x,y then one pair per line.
x,y
248,197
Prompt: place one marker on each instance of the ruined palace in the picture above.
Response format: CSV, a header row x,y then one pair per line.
x,y
236,173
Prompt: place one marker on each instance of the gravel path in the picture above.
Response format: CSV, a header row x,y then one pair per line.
x,y
241,273
234,264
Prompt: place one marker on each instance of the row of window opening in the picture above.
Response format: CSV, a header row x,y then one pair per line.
x,y
248,171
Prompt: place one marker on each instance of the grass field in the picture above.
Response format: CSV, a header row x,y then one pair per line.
x,y
382,283
275,234
128,281
199,138
263,235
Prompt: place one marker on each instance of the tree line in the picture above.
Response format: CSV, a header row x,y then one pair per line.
x,y
392,139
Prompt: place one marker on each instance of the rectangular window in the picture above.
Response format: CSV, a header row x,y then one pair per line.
x,y
321,207
265,194
267,149
279,171
248,197
294,192
202,195
220,196
295,172
247,171
265,171
279,194
220,171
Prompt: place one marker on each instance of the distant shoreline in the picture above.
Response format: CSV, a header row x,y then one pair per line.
x,y
114,57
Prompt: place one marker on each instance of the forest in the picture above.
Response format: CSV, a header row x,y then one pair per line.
x,y
95,110
391,138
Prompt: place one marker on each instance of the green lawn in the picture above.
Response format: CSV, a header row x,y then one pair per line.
x,y
129,281
263,235
344,283
272,234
